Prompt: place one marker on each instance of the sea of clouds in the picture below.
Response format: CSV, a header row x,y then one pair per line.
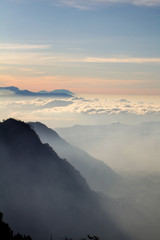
x,y
85,110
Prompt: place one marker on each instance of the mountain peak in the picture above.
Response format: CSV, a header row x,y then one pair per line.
x,y
15,126
23,142
13,88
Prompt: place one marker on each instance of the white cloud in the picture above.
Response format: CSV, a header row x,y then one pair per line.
x,y
88,4
10,46
37,58
76,110
50,58
56,103
146,2
105,105
122,60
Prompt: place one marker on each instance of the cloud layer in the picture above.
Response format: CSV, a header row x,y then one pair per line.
x,y
62,112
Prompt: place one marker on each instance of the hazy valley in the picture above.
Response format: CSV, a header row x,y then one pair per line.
x,y
73,194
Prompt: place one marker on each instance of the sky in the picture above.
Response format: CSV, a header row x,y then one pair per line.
x,y
91,46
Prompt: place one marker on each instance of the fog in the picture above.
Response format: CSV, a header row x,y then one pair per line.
x,y
133,194
111,175
133,152
123,147
42,194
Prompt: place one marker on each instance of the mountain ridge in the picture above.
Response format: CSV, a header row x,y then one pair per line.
x,y
99,176
42,194
103,179
55,93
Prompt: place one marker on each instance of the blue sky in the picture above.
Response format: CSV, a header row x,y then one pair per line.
x,y
85,46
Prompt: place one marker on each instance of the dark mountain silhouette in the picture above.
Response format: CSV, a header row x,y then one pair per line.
x,y
42,194
99,176
54,93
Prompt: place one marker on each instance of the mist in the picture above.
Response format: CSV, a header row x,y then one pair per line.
x,y
123,147
42,194
132,151
132,195
111,152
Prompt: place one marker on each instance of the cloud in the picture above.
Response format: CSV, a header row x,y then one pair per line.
x,y
30,70
108,105
56,103
81,109
128,106
89,4
31,104
49,58
122,60
123,100
10,46
37,58
146,2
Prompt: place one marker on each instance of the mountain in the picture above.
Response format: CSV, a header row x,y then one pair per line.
x,y
55,93
123,203
42,194
99,176
58,91
62,91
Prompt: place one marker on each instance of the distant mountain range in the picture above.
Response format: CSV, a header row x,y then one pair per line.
x,y
42,194
55,93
